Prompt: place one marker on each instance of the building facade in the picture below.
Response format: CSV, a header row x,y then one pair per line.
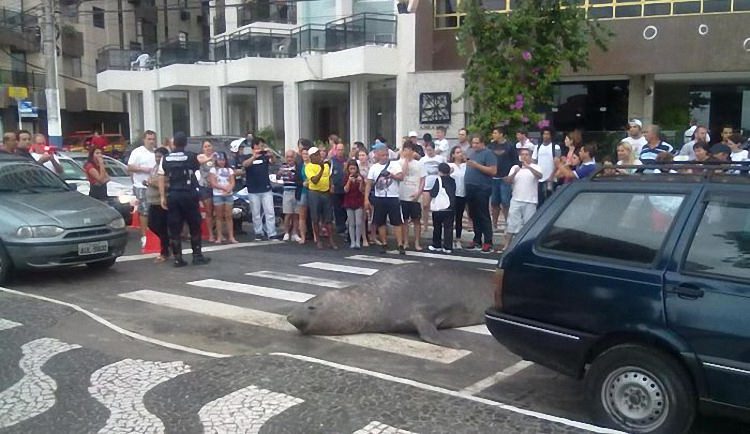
x,y
359,69
86,32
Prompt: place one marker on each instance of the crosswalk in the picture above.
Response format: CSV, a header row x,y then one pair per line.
x,y
263,298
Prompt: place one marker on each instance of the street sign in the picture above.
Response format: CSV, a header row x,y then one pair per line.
x,y
18,92
27,110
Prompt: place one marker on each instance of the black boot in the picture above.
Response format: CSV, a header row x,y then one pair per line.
x,y
198,258
177,252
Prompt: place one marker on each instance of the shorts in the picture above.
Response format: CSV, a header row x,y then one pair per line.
x,y
387,208
518,215
289,202
140,194
319,205
223,200
302,201
205,193
502,192
411,211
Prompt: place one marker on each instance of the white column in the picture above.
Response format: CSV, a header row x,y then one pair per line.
x,y
344,8
291,115
265,106
150,121
217,110
135,115
358,111
648,100
230,14
407,104
641,98
194,103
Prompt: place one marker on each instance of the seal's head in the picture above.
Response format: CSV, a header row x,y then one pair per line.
x,y
335,312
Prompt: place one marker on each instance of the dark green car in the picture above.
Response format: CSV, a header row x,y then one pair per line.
x,y
44,224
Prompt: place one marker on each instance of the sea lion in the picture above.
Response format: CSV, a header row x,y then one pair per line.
x,y
441,297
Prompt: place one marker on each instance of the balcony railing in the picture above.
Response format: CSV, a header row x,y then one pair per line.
x,y
355,31
285,13
30,80
19,30
17,21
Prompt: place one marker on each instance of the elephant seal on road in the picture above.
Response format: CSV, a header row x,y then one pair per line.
x,y
439,297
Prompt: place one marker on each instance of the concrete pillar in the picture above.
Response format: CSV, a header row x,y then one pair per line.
x,y
641,98
196,123
358,113
230,14
344,8
135,114
265,106
406,94
217,110
150,121
291,115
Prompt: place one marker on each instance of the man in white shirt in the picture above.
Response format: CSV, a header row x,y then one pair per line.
x,y
699,135
42,153
140,165
442,147
544,155
383,180
635,138
410,191
522,135
525,178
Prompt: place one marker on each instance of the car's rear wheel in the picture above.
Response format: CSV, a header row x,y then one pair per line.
x,y
102,265
6,267
640,390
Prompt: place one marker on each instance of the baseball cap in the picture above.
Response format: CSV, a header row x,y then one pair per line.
x,y
378,145
719,148
313,150
413,134
235,145
635,122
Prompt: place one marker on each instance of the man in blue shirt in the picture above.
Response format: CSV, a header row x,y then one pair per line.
x,y
259,188
479,172
338,165
654,146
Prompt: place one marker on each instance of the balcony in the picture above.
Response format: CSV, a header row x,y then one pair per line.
x,y
19,30
356,31
30,80
262,11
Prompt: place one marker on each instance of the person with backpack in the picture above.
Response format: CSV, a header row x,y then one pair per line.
x,y
545,154
443,207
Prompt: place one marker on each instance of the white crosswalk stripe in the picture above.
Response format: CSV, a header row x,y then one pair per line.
x,y
261,291
381,259
6,324
327,266
296,278
382,342
452,257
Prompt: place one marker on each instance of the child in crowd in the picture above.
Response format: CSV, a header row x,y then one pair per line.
x,y
288,175
354,202
221,179
443,207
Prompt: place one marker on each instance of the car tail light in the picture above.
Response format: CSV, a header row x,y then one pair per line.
x,y
498,284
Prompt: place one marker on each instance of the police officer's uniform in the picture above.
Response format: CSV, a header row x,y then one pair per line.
x,y
183,202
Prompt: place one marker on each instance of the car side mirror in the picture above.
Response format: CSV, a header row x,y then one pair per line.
x,y
72,186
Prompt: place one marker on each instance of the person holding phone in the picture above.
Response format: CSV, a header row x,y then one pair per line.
x,y
354,204
259,189
96,174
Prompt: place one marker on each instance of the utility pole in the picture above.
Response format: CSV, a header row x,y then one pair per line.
x,y
54,129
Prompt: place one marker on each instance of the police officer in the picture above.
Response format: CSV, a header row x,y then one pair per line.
x,y
181,198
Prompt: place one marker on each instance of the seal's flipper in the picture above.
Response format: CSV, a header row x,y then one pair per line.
x,y
429,333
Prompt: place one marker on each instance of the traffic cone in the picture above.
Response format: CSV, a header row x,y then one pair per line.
x,y
153,243
135,219
205,231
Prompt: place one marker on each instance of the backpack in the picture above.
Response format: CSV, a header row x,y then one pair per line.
x,y
442,201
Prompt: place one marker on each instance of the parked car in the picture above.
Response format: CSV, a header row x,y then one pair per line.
x,y
119,196
640,284
43,224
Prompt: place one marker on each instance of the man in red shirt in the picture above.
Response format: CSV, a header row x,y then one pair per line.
x,y
98,140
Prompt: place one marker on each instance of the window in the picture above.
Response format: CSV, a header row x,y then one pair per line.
x,y
721,245
72,66
621,226
98,15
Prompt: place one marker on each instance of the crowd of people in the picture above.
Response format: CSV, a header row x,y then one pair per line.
x,y
332,193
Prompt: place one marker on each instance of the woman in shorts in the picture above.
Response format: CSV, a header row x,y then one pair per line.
x,y
221,179
205,191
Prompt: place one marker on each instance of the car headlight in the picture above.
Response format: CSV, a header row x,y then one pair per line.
x,y
39,231
117,223
125,198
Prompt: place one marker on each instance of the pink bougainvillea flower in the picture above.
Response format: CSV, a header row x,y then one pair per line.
x,y
512,106
525,119
543,123
519,97
519,104
526,55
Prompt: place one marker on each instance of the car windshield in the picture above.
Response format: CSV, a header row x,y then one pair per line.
x,y
72,171
115,169
28,178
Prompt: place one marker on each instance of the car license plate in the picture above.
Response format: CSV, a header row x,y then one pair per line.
x,y
94,248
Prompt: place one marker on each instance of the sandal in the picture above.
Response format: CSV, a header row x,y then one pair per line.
x,y
159,259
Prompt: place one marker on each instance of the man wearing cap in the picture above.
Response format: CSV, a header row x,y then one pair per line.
x,y
720,153
699,134
635,138
318,174
414,138
384,179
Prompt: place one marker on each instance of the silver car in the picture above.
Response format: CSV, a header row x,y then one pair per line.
x,y
45,224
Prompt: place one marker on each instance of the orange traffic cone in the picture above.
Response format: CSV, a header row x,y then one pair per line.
x,y
135,219
153,243
205,231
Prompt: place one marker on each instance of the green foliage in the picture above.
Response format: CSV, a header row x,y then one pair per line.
x,y
269,135
515,58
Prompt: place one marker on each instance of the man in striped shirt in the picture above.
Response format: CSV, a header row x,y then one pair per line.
x,y
655,145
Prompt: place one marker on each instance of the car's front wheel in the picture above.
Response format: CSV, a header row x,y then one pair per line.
x,y
102,265
640,390
5,265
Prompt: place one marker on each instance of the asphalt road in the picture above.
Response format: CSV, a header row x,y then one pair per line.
x,y
149,348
